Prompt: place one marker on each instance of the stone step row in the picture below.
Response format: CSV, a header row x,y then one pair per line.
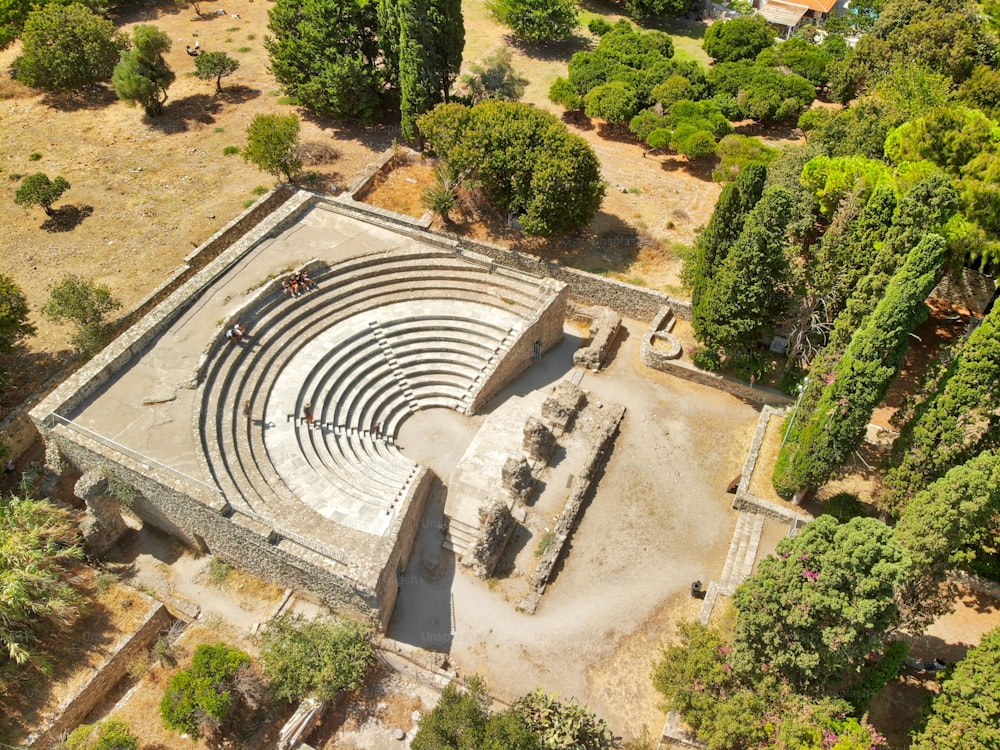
x,y
740,561
460,538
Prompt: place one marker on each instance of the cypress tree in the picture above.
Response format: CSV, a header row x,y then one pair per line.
x,y
735,201
746,294
431,40
954,421
859,381
923,209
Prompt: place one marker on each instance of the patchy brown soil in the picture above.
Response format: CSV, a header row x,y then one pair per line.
x,y
402,189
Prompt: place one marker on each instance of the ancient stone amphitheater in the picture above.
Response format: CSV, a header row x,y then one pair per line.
x,y
208,440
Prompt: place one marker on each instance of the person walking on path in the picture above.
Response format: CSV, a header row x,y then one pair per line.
x,y
307,413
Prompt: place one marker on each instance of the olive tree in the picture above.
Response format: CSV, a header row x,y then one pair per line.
x,y
273,145
39,190
142,75
215,65
86,305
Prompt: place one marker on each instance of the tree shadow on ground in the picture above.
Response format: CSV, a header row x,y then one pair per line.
x,y
519,538
96,96
26,371
320,153
66,218
237,93
687,26
698,168
786,130
617,133
549,51
608,244
577,119
377,137
179,113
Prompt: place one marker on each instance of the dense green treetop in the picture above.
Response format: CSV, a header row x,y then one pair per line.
x,y
38,190
949,37
526,161
314,657
66,47
727,710
953,421
85,305
537,20
110,734
273,144
749,89
739,39
820,603
462,721
431,40
326,55
944,525
748,292
859,381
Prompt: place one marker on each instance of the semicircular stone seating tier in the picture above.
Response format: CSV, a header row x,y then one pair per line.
x,y
381,336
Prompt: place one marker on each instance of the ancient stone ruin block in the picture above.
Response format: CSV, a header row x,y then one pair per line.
x,y
539,442
103,525
517,478
496,525
562,406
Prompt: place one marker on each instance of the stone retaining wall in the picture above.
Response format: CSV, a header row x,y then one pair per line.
x,y
631,301
747,501
603,441
75,707
203,520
